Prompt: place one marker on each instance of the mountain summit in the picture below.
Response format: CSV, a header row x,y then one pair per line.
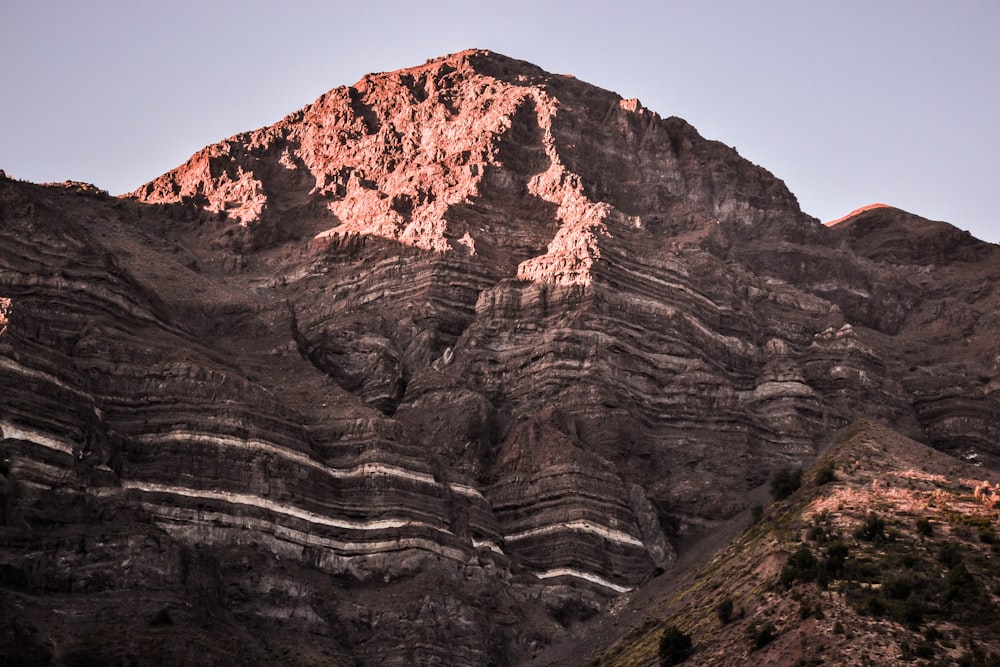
x,y
436,369
439,156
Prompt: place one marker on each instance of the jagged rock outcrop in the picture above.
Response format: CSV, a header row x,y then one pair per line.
x,y
456,354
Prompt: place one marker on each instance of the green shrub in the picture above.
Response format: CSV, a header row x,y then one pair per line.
x,y
871,604
910,612
924,649
825,473
949,554
822,529
911,589
836,559
675,646
872,529
862,569
800,566
899,586
785,481
961,585
977,657
762,636
816,534
924,526
724,610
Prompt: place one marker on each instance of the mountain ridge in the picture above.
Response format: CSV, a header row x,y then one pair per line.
x,y
895,511
443,350
458,145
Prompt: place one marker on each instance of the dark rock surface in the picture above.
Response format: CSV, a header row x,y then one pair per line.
x,y
434,368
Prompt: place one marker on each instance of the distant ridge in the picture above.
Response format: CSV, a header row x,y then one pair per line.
x,y
855,212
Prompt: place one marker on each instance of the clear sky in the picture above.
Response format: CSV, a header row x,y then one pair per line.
x,y
849,102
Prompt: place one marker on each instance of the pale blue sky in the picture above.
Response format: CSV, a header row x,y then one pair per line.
x,y
848,102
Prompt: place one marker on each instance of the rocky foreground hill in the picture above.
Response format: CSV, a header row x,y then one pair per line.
x,y
438,368
888,554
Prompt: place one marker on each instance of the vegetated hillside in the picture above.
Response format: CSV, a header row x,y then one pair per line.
x,y
887,554
437,368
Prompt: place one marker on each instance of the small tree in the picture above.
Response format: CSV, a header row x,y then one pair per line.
x,y
872,529
724,610
836,558
949,554
762,636
785,481
800,566
675,646
825,473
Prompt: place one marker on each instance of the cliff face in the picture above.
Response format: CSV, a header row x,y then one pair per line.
x,y
456,355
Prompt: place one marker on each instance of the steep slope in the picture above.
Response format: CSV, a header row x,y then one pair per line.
x,y
950,349
534,224
435,368
887,554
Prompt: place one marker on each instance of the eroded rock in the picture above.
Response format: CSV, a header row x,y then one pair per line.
x,y
457,354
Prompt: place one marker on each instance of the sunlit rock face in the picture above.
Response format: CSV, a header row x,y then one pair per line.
x,y
434,368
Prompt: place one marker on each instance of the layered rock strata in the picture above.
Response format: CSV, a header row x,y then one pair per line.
x,y
457,354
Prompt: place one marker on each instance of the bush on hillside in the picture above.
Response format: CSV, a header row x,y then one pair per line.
x,y
785,481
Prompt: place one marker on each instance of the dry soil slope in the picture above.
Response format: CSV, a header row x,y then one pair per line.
x,y
895,559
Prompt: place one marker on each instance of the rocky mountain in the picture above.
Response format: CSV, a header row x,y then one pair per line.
x,y
437,368
887,555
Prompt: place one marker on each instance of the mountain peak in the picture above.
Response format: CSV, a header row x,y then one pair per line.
x,y
489,62
461,353
856,212
427,156
468,62
892,234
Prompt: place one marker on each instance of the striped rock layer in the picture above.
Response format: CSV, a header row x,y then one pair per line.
x,y
435,367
